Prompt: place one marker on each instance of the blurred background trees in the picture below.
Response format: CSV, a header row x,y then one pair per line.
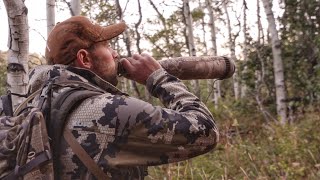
x,y
248,107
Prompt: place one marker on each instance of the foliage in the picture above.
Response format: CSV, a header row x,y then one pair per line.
x,y
104,12
301,44
250,149
259,78
168,41
197,14
300,38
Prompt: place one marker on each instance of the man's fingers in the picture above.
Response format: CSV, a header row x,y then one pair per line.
x,y
137,57
127,64
145,55
139,67
142,57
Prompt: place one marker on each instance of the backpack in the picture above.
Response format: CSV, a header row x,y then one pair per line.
x,y
28,149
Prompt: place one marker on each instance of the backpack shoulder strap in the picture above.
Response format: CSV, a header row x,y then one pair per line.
x,y
24,104
84,156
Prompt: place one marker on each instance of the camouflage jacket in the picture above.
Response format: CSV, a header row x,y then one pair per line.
x,y
124,134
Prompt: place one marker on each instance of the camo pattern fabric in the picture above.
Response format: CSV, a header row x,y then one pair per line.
x,y
23,138
123,134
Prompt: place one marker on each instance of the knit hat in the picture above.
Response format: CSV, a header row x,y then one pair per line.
x,y
76,33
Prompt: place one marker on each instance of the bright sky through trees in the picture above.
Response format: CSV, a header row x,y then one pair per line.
x,y
37,22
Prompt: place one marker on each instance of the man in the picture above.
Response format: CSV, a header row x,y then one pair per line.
x,y
122,134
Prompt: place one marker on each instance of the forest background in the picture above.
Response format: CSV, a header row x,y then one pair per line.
x,y
268,112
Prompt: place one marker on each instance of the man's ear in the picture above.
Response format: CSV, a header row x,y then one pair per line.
x,y
83,59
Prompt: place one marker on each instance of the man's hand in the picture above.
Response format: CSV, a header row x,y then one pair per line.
x,y
140,67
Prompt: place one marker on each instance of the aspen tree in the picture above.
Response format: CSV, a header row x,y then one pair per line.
x,y
212,25
190,37
50,15
277,63
18,44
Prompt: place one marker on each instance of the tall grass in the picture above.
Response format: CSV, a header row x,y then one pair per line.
x,y
251,148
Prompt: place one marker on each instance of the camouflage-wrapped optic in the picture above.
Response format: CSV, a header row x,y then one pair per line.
x,y
187,68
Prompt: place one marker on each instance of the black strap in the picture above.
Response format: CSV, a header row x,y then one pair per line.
x,y
22,170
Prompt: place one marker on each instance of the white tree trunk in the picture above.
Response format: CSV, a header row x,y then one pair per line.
x,y
232,47
187,14
50,15
245,46
212,25
277,63
259,73
18,44
75,7
260,29
192,49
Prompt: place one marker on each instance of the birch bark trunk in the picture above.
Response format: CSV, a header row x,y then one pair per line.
x,y
259,74
76,7
191,45
233,53
260,29
18,44
277,63
245,46
212,25
50,15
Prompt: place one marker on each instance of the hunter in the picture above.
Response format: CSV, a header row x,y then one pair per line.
x,y
122,134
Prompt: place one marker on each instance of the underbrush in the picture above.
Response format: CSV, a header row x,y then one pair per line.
x,y
252,148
